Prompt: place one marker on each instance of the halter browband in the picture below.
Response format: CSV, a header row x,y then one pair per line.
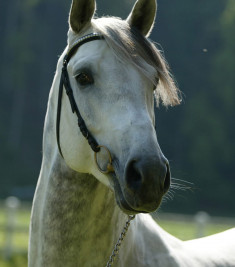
x,y
65,83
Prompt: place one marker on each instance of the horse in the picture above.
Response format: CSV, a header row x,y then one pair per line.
x,y
101,159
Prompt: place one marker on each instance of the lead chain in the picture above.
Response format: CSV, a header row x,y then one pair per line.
x,y
119,242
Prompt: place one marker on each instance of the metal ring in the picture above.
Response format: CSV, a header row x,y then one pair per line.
x,y
109,165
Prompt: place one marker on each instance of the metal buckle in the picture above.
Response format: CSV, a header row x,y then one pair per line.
x,y
109,167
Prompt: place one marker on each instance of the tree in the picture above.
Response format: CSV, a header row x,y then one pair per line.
x,y
195,135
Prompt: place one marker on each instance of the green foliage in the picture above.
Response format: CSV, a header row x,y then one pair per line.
x,y
224,67
201,146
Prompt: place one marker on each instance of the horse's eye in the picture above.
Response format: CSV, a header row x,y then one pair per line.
x,y
84,78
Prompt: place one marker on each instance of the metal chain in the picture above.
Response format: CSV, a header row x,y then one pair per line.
x,y
119,242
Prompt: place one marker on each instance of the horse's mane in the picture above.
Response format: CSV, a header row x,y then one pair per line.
x,y
130,45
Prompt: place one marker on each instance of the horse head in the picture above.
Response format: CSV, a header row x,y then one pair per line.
x,y
114,83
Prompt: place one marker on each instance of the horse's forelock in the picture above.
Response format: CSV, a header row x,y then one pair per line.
x,y
130,45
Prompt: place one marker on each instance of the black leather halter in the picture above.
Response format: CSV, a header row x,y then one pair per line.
x,y
65,83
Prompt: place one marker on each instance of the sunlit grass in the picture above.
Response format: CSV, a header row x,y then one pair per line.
x,y
182,230
188,230
17,260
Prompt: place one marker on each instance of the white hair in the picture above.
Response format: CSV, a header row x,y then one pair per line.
x,y
130,45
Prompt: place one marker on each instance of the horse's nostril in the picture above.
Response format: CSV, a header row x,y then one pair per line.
x,y
133,176
147,178
167,181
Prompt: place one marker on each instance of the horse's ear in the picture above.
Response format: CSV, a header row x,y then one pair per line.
x,y
81,13
143,16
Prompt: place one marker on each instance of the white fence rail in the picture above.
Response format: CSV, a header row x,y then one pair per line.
x,y
10,226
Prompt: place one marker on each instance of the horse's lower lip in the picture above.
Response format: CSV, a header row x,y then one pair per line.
x,y
120,199
127,209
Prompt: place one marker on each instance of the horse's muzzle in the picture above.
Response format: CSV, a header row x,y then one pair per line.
x,y
145,182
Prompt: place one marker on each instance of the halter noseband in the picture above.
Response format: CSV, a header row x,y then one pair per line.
x,y
65,83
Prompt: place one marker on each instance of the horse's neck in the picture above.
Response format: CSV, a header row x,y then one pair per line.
x,y
148,244
74,216
76,223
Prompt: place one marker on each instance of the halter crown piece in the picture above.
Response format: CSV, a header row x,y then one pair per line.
x,y
65,83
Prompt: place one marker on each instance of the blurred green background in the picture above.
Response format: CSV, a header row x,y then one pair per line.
x,y
198,41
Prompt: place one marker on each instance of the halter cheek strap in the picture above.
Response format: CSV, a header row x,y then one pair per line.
x,y
65,83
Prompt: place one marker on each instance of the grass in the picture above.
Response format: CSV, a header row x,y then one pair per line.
x,y
17,260
188,230
180,229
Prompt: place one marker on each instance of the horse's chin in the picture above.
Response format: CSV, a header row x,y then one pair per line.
x,y
124,206
121,200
